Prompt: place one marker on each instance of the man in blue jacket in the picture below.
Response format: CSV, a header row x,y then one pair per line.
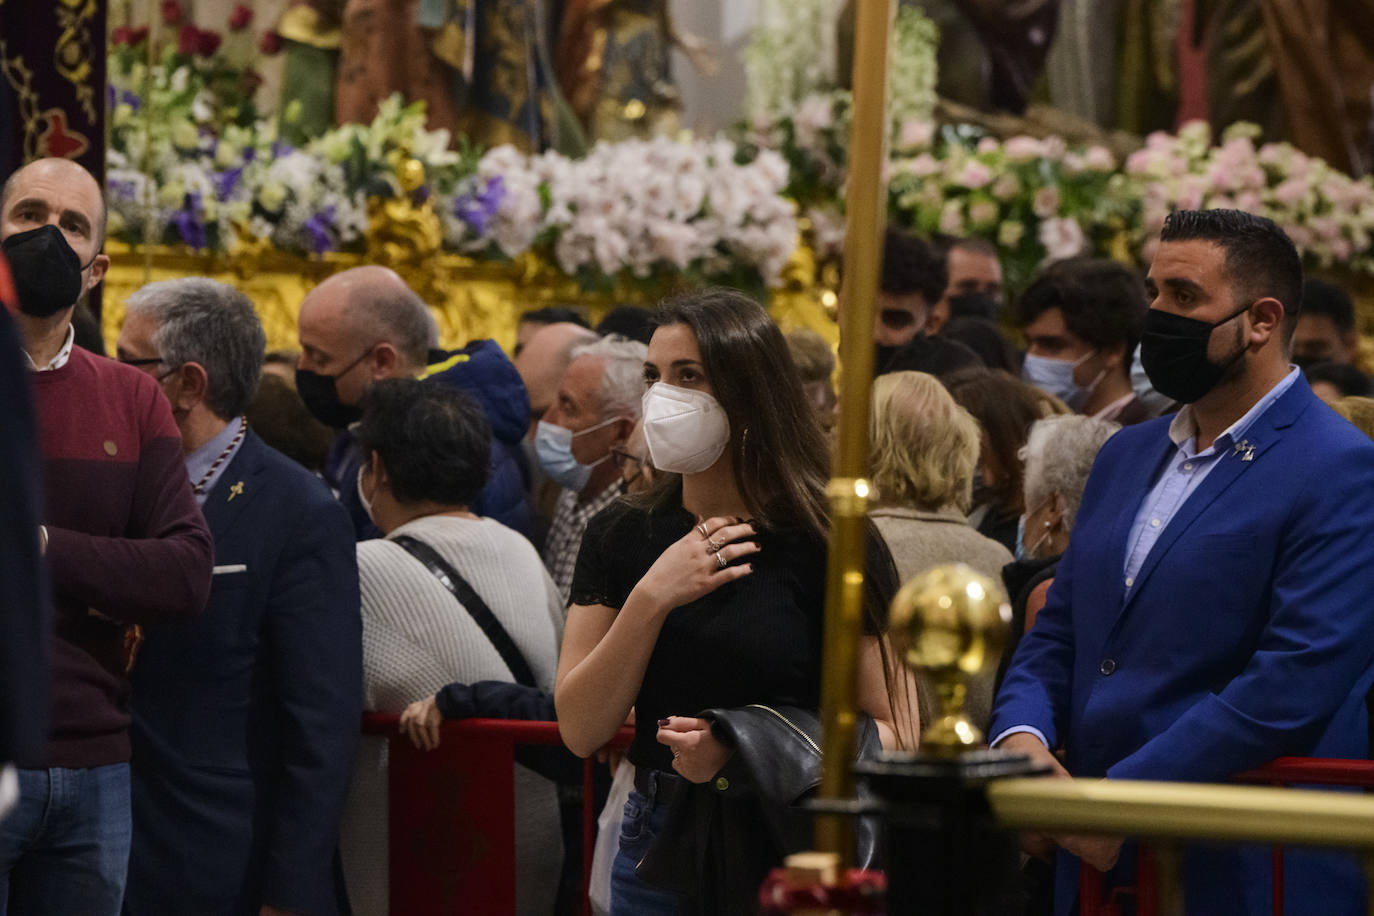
x,y
365,324
245,720
1212,611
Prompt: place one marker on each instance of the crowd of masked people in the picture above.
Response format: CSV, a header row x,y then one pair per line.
x,y
213,558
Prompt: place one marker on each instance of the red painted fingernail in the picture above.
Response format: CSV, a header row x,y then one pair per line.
x,y
662,722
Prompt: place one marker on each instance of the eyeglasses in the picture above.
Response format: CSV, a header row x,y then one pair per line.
x,y
622,458
150,361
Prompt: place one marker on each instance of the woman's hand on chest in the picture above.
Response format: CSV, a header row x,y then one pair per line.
x,y
698,563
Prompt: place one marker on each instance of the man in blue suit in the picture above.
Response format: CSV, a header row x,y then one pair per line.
x,y
1212,611
245,720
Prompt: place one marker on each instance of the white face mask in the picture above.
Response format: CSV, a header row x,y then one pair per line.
x,y
362,497
686,430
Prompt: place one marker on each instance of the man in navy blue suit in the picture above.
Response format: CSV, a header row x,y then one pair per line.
x,y
245,720
1212,611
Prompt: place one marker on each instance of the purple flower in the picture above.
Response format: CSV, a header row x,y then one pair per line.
x,y
121,189
478,209
189,224
281,148
320,227
226,182
130,99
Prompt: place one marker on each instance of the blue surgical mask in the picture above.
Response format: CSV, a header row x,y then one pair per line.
x,y
553,447
1055,376
1020,537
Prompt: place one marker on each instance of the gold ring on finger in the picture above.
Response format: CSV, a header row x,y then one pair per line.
x,y
704,533
712,546
721,560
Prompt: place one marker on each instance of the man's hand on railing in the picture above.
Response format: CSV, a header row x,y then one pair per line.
x,y
420,723
1101,852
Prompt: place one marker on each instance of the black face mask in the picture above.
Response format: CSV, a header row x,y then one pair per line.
x,y
321,396
1173,351
46,271
974,305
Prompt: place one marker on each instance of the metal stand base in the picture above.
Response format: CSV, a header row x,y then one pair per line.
x,y
946,856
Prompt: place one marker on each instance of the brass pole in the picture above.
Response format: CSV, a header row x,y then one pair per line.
x,y
154,14
848,491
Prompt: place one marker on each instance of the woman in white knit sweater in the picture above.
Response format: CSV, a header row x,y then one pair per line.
x,y
427,451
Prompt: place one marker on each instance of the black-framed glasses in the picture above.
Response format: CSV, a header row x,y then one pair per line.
x,y
623,458
150,361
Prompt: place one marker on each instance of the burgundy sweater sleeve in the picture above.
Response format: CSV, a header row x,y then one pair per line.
x,y
163,566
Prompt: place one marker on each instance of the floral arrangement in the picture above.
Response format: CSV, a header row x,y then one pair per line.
x,y
637,209
1039,200
1036,200
191,163
1328,215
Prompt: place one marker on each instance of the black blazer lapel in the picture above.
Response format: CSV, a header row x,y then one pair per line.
x,y
235,488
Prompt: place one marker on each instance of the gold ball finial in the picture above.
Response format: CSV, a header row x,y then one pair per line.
x,y
411,174
952,623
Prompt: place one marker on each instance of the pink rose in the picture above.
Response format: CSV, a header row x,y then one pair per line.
x,y
916,134
1045,203
1099,159
974,175
1290,192
1024,149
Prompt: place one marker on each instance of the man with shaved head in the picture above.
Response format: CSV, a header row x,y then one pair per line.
x,y
124,540
365,324
544,358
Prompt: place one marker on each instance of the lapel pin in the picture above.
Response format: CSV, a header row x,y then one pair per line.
x,y
1249,453
237,490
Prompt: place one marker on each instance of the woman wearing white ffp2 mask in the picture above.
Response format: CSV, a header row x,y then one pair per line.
x,y
679,604
686,430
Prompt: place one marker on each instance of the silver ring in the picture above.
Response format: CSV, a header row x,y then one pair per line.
x,y
712,546
721,560
702,528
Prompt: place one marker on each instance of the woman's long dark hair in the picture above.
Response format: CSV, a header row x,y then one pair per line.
x,y
778,449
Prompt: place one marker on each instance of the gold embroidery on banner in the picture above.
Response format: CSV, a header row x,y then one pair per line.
x,y
20,78
74,52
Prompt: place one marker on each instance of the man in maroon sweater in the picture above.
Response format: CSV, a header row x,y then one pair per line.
x,y
124,540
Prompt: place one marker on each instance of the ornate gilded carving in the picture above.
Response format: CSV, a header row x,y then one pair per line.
x,y
470,299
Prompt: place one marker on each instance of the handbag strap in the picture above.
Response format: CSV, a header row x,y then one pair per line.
x,y
452,580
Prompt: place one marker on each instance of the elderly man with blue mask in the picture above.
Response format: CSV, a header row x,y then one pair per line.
x,y
594,412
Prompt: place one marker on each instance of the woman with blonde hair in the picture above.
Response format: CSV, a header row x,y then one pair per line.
x,y
924,448
1359,411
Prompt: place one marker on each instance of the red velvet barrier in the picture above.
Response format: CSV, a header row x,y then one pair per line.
x,y
451,814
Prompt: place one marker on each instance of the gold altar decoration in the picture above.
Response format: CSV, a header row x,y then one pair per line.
x,y
471,299
951,623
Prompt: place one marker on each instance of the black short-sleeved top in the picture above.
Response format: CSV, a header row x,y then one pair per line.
x,y
754,640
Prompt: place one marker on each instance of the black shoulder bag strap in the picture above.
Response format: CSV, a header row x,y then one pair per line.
x,y
450,579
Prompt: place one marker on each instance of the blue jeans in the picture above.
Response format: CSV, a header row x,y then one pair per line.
x,y
630,895
64,849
